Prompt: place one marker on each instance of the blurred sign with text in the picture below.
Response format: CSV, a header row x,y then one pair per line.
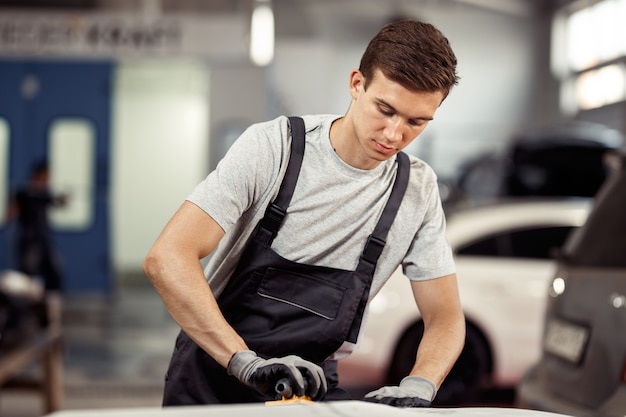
x,y
116,35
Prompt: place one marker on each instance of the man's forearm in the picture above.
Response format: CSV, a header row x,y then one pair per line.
x,y
443,340
190,301
173,266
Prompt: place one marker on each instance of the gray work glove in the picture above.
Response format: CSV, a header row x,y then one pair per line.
x,y
413,391
305,378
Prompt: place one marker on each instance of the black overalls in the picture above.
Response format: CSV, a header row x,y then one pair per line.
x,y
280,307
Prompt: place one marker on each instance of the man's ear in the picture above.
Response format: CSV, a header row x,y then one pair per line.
x,y
357,83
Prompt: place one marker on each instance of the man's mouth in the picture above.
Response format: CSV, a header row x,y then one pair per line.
x,y
384,149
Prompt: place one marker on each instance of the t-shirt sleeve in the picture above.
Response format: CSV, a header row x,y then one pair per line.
x,y
242,176
430,255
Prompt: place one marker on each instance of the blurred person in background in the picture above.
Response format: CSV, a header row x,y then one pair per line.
x,y
36,254
289,278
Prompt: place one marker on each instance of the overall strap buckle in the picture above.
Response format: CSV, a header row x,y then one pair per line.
x,y
273,218
372,250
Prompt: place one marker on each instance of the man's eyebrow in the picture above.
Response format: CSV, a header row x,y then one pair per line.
x,y
382,102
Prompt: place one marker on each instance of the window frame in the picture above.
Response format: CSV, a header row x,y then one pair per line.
x,y
5,160
589,75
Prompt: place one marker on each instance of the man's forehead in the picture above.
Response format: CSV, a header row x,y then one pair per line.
x,y
412,104
379,79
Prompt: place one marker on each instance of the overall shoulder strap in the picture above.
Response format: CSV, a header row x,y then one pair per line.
x,y
295,162
376,241
276,211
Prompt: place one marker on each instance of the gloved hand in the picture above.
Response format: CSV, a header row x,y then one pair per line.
x,y
413,391
306,378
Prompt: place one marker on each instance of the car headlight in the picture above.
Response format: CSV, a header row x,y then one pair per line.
x,y
558,287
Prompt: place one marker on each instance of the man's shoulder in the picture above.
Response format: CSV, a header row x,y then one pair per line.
x,y
315,121
275,131
311,121
423,178
421,167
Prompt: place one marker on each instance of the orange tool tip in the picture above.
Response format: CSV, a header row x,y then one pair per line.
x,y
304,399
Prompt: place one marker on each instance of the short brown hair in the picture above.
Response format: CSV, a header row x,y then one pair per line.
x,y
414,54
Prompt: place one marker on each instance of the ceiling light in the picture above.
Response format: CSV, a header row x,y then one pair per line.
x,y
262,33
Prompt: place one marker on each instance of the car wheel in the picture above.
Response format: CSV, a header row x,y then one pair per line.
x,y
469,375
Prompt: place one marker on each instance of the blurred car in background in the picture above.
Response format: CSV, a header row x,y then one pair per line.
x,y
561,160
582,371
504,265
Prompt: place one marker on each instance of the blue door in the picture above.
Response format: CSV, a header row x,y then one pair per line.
x,y
60,112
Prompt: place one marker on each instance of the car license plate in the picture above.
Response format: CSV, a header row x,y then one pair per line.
x,y
566,340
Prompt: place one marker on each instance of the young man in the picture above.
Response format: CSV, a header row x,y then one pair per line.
x,y
289,277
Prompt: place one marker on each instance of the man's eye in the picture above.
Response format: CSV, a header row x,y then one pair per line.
x,y
386,112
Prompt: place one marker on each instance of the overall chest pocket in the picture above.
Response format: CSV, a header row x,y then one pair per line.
x,y
315,295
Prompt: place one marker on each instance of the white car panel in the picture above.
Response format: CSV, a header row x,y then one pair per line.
x,y
305,409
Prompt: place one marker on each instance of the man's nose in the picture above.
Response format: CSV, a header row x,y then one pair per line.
x,y
394,131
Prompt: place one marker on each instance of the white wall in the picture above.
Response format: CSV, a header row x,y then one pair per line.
x,y
160,150
494,97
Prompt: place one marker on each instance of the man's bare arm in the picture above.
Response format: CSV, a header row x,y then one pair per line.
x,y
173,266
444,327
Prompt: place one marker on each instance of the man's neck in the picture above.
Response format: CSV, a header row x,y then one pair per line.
x,y
346,145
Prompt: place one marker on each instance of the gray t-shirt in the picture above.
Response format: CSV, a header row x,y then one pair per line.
x,y
332,212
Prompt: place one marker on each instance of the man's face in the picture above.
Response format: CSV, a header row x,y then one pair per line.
x,y
387,116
